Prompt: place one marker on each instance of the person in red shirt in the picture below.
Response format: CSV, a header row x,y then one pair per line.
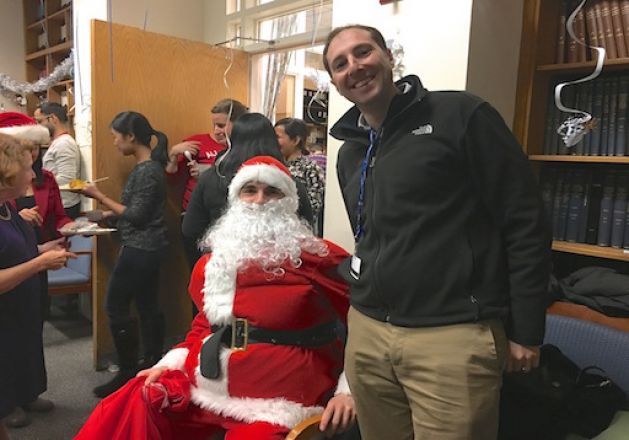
x,y
197,153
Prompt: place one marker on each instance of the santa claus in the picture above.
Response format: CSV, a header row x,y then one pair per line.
x,y
263,353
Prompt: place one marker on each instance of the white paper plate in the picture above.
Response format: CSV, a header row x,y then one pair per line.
x,y
90,231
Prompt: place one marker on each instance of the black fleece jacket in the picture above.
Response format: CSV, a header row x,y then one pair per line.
x,y
454,229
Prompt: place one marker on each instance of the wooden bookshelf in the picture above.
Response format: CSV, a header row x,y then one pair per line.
x,y
582,159
541,68
47,42
591,250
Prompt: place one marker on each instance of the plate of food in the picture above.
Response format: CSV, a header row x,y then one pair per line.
x,y
79,184
84,228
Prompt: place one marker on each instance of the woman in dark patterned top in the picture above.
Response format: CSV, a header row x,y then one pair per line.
x,y
291,135
140,221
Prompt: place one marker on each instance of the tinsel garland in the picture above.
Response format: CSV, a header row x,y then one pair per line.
x,y
11,87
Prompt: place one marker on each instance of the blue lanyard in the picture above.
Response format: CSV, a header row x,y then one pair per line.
x,y
371,152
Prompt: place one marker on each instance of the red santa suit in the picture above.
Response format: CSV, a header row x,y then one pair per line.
x,y
267,386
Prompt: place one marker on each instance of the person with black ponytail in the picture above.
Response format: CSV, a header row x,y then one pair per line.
x,y
140,221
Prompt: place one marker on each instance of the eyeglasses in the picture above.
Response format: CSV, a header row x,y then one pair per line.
x,y
40,120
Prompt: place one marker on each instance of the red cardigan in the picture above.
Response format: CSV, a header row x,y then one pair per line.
x,y
48,199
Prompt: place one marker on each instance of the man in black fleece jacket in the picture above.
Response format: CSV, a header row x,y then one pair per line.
x,y
452,250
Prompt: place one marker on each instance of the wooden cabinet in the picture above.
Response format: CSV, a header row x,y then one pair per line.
x,y
539,72
48,42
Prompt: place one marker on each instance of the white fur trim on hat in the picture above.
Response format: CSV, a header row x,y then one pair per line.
x,y
33,132
264,173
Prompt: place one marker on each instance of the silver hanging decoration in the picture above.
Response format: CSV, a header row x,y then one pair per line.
x,y
11,87
575,127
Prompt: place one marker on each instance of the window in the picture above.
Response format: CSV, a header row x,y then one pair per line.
x,y
305,22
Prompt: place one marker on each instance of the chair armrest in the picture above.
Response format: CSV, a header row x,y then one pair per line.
x,y
306,430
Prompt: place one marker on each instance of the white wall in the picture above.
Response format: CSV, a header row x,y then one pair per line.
x,y
183,19
12,46
495,52
215,26
435,37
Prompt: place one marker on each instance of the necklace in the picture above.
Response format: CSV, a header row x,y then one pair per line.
x,y
6,216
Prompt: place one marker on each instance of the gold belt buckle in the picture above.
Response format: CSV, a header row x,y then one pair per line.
x,y
240,333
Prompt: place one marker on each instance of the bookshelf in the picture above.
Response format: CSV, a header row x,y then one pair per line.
x,y
547,57
48,41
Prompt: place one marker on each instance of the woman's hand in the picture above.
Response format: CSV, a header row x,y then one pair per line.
x,y
58,244
91,191
32,216
339,414
180,148
54,259
152,374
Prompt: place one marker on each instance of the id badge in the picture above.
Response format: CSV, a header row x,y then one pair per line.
x,y
354,269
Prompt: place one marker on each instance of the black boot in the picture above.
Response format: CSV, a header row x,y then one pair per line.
x,y
126,342
152,329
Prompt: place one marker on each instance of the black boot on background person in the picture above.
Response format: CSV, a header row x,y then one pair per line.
x,y
126,342
152,329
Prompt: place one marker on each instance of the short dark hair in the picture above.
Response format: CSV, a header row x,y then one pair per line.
x,y
53,108
375,34
295,128
224,106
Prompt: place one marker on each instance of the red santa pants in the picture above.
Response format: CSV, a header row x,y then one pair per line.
x,y
163,411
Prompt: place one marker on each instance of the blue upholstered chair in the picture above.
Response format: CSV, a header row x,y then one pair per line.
x,y
76,277
588,343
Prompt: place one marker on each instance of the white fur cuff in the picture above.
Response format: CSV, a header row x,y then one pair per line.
x,y
174,359
342,387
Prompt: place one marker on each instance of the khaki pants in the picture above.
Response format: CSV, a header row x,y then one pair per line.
x,y
425,383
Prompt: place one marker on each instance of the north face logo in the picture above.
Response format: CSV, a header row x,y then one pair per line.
x,y
423,129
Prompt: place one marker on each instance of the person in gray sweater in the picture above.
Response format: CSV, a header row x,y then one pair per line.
x,y
140,221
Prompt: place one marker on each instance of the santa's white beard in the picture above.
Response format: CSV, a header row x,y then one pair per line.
x,y
267,235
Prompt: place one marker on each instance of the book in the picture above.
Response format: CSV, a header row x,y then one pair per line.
x,y
597,114
607,205
617,24
549,131
561,33
575,205
585,206
561,175
608,29
579,31
588,97
595,194
592,32
611,117
624,15
619,211
600,28
605,117
572,50
621,116
564,204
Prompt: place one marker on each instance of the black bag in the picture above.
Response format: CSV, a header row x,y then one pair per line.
x,y
556,399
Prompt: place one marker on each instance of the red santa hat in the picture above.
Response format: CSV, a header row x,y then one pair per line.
x,y
23,127
264,169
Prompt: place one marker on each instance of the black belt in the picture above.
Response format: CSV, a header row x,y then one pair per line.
x,y
239,334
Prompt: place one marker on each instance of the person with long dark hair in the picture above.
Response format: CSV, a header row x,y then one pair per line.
x,y
140,221
252,135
